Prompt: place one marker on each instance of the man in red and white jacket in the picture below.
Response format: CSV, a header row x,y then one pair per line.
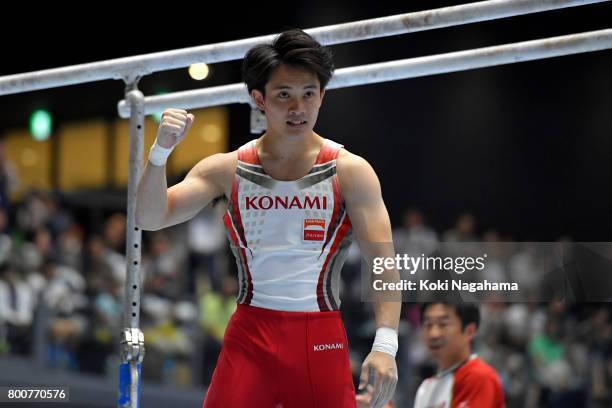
x,y
463,379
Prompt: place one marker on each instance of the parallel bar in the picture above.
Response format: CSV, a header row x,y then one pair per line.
x,y
400,69
197,98
131,67
472,59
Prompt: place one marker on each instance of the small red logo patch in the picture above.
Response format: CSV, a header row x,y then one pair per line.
x,y
314,229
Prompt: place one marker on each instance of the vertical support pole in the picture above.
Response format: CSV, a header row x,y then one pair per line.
x,y
132,338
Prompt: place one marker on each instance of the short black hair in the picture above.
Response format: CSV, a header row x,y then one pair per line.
x,y
293,47
467,312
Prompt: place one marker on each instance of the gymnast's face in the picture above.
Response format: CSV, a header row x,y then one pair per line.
x,y
292,100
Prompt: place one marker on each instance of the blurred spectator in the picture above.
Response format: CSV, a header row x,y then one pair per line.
x,y
17,303
70,246
114,245
64,301
33,213
102,341
8,178
164,268
464,230
206,239
102,267
6,244
215,312
114,232
414,237
170,344
552,369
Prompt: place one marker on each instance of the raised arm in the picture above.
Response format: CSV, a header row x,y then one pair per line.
x,y
158,206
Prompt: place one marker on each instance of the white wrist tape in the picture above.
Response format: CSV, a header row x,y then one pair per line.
x,y
158,155
385,341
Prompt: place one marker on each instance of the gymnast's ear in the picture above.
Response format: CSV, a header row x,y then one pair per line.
x,y
259,99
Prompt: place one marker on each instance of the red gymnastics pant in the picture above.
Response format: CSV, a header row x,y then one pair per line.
x,y
274,359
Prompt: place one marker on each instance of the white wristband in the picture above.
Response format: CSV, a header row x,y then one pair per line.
x,y
158,155
385,341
